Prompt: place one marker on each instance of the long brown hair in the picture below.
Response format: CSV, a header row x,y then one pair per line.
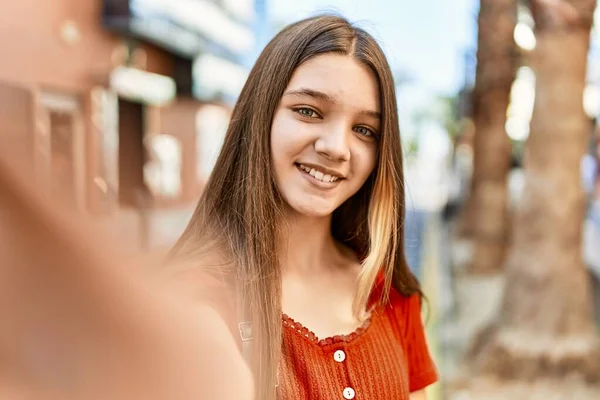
x,y
241,208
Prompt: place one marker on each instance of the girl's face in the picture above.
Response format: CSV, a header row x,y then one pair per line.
x,y
325,133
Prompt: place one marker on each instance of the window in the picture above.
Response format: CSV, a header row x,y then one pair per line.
x,y
211,126
162,172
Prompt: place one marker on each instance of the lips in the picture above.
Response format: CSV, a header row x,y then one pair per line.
x,y
319,175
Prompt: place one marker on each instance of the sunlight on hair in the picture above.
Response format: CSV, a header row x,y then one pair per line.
x,y
382,228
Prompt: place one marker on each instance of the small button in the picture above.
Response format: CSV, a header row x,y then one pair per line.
x,y
349,393
339,356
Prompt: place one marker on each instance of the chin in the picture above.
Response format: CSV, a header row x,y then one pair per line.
x,y
313,210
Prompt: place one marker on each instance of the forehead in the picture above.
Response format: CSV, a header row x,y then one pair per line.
x,y
347,81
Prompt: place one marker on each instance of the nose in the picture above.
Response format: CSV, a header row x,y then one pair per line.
x,y
333,143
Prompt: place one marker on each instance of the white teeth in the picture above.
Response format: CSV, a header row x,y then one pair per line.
x,y
318,174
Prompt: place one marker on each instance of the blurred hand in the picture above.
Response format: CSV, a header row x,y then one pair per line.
x,y
78,322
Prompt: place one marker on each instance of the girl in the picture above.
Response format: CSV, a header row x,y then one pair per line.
x,y
303,218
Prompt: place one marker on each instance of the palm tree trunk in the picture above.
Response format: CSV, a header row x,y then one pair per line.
x,y
496,65
546,326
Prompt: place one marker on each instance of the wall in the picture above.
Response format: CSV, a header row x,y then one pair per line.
x,y
33,50
60,46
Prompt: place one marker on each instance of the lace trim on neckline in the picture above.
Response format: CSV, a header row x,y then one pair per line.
x,y
289,322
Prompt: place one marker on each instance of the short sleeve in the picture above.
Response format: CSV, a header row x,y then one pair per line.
x,y
421,369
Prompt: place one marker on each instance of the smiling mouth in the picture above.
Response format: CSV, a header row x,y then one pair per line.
x,y
317,175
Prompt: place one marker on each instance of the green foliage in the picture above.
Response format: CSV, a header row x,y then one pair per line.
x,y
444,111
411,147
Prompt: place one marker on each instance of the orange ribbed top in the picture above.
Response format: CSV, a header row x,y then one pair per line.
x,y
387,358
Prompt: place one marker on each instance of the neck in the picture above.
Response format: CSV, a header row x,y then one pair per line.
x,y
306,244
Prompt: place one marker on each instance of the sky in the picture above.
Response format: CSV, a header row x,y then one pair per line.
x,y
426,39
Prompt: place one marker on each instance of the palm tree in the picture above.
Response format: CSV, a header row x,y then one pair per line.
x,y
487,207
545,329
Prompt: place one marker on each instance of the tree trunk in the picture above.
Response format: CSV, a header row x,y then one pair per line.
x,y
496,65
546,328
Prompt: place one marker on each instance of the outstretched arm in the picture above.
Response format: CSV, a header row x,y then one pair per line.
x,y
77,321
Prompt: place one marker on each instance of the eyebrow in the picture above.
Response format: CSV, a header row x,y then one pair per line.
x,y
317,95
369,113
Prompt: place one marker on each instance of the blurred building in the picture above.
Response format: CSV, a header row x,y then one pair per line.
x,y
122,105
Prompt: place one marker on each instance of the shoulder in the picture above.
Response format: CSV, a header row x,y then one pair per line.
x,y
396,301
404,303
204,280
403,309
199,271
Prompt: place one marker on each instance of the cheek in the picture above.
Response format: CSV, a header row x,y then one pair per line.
x,y
279,142
289,137
277,134
365,162
282,132
284,138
